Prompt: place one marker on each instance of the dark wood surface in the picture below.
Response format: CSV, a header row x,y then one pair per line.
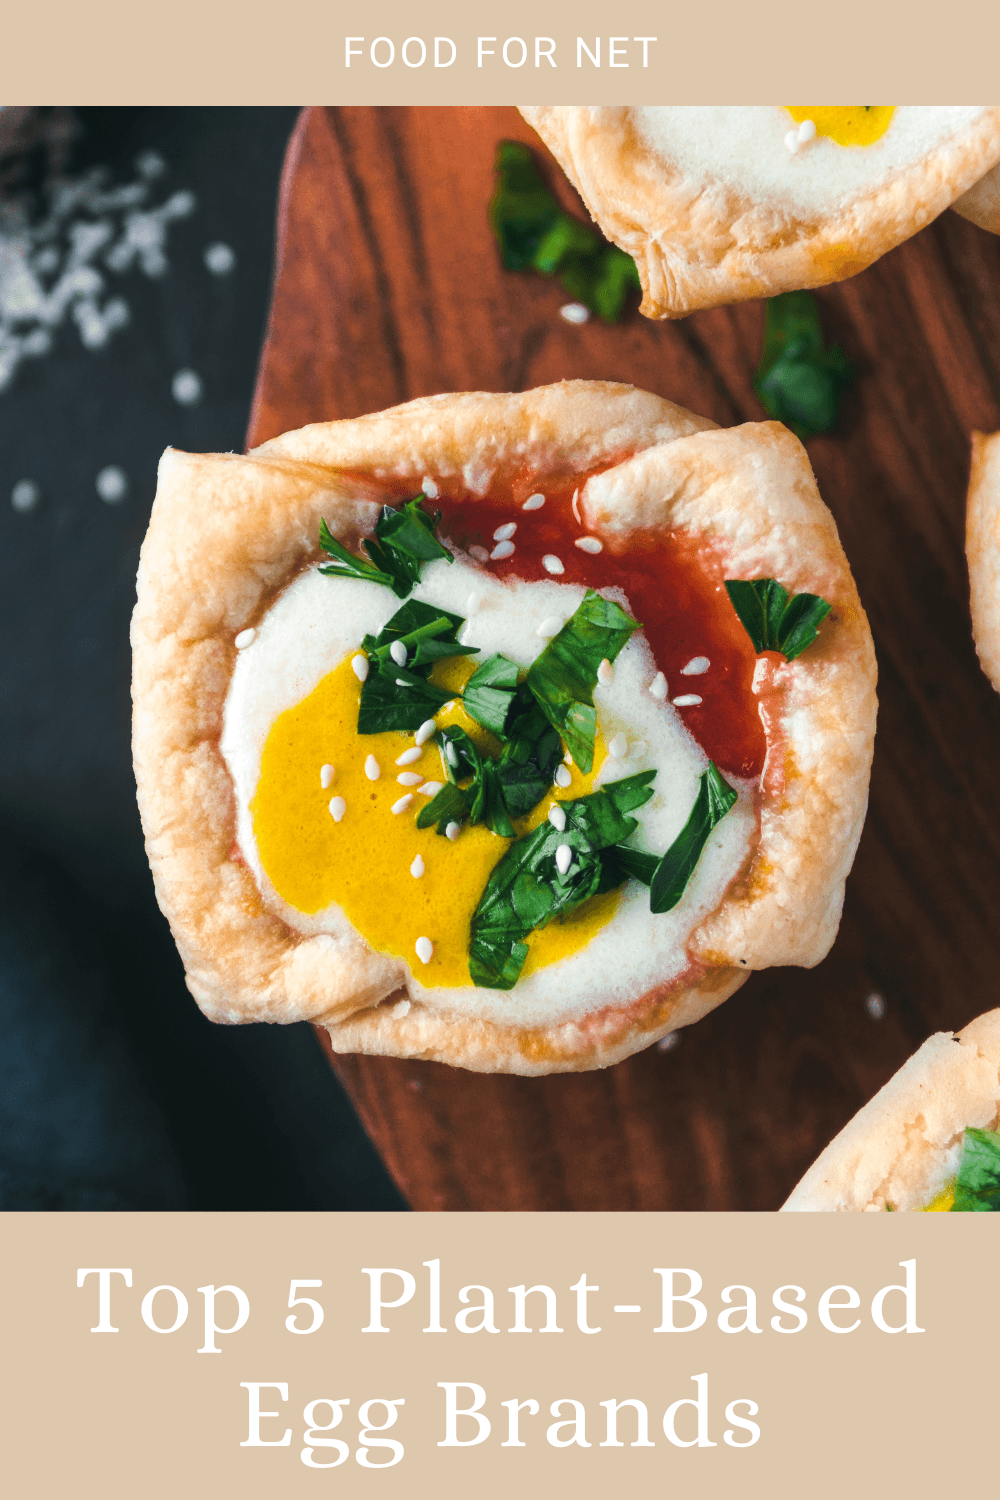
x,y
389,287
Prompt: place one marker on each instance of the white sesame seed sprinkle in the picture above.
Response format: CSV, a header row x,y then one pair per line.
x,y
658,687
418,867
426,731
505,532
686,700
372,768
409,756
576,507
245,638
551,626
410,778
557,817
479,553
807,132
402,804
338,807
398,653
696,666
359,666
502,550
618,748
552,564
605,673
563,776
451,754
589,544
402,682
534,502
326,776
429,487
792,141
575,312
564,858
424,949
453,830
400,1010
430,788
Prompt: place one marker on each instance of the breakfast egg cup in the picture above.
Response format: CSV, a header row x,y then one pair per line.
x,y
903,1149
982,545
719,204
236,633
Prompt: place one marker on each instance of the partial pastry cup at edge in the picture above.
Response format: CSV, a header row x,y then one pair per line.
x,y
227,533
982,545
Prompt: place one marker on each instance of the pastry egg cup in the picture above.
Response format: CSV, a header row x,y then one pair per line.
x,y
228,533
706,235
982,545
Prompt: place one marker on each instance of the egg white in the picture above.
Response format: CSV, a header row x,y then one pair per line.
x,y
318,620
743,146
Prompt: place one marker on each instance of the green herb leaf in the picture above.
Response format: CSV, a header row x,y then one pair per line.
x,y
449,805
977,1186
531,755
715,798
395,697
489,693
534,233
527,890
775,620
482,800
564,676
346,565
800,381
404,540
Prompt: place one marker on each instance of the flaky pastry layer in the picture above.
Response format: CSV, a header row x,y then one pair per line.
x,y
982,546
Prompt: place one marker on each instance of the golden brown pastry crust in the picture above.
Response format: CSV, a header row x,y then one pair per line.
x,y
982,546
896,1148
981,204
227,533
702,244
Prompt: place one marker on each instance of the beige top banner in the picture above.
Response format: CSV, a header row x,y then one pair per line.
x,y
519,53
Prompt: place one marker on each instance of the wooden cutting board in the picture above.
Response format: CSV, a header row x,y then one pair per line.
x,y
389,287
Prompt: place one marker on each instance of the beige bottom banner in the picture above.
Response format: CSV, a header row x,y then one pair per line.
x,y
205,1354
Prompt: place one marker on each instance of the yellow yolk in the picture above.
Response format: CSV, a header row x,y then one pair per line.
x,y
847,124
363,863
943,1203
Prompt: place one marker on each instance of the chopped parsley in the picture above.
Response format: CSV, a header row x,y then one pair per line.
x,y
977,1186
404,540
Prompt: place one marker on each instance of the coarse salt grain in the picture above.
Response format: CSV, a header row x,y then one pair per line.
x,y
359,666
402,804
618,747
557,817
426,731
605,673
562,777
409,756
564,858
326,776
502,550
479,553
410,778
658,687
398,653
424,949
244,638
418,867
372,768
338,807
534,502
550,627
686,700
589,544
453,830
696,666
429,487
505,532
552,564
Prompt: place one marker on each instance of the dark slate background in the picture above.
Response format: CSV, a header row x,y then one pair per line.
x,y
114,1090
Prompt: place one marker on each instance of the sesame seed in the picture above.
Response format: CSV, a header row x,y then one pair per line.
x,y
564,858
669,1042
792,141
686,700
338,807
410,778
552,564
696,666
372,768
550,627
875,1006
472,603
453,830
637,749
186,388
576,507
426,731
25,495
359,665
402,682
430,788
398,653
618,748
658,687
424,949
403,803
605,673
563,776
451,754
409,756
807,131
575,312
244,638
418,867
589,544
534,502
326,776
401,1010
112,484
429,488
479,553
502,550
557,817
505,532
